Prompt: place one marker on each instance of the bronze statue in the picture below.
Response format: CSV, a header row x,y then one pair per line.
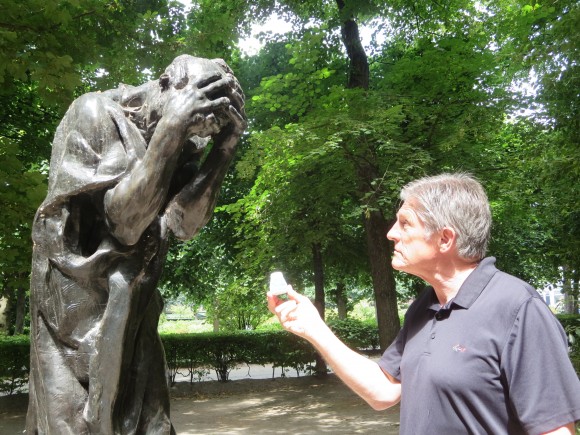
x,y
127,167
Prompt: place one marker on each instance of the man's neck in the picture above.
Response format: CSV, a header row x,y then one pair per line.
x,y
448,279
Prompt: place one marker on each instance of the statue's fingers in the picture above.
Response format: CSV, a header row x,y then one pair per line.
x,y
237,100
218,103
208,79
237,119
221,86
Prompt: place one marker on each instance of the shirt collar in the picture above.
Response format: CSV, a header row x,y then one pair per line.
x,y
472,286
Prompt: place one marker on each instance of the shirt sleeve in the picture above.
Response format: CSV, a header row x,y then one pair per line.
x,y
543,387
390,361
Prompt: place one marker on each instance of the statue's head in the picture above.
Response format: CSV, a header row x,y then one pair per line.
x,y
186,69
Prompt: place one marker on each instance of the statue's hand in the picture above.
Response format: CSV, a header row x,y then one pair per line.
x,y
233,120
203,108
228,136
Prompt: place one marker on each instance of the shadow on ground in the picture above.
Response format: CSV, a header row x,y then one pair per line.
x,y
305,405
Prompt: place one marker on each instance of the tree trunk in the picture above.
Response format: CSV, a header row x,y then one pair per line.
x,y
216,317
3,315
380,252
572,293
567,291
318,266
20,311
341,301
376,227
358,71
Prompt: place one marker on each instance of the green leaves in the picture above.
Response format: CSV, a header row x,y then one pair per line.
x,y
21,192
319,156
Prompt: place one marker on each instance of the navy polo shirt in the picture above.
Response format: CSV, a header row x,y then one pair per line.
x,y
495,362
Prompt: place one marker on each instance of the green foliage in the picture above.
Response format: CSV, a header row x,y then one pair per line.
x,y
52,42
14,363
225,351
356,334
571,324
21,191
199,353
240,306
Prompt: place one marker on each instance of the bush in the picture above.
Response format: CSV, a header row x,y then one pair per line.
x,y
201,352
223,352
14,363
356,334
571,324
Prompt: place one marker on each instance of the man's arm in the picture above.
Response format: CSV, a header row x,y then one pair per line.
x,y
299,316
564,430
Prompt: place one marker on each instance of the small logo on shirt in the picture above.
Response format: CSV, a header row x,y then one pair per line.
x,y
459,348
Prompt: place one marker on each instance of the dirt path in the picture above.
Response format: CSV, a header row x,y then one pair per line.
x,y
304,405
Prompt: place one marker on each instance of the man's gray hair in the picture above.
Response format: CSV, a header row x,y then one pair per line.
x,y
457,201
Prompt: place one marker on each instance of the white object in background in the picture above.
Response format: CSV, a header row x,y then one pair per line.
x,y
278,284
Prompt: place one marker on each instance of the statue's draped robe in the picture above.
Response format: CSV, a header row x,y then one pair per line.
x,y
97,362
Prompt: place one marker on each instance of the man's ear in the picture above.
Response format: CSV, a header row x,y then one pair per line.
x,y
447,239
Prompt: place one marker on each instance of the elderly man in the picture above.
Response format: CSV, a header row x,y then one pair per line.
x,y
479,351
126,169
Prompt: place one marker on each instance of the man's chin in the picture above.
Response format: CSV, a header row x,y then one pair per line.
x,y
397,265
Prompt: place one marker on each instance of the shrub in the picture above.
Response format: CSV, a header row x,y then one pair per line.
x,y
14,363
356,334
223,352
571,324
201,352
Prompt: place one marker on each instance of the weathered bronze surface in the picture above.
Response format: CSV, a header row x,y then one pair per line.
x,y
127,167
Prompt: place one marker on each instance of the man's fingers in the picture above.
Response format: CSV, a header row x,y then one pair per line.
x,y
294,295
273,302
294,327
284,308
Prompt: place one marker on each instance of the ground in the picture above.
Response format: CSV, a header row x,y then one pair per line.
x,y
303,405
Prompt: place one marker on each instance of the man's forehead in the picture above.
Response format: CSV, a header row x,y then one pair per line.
x,y
408,208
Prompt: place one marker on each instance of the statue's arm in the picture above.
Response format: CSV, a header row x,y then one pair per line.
x,y
192,208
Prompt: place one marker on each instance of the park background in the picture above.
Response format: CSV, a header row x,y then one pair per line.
x,y
346,101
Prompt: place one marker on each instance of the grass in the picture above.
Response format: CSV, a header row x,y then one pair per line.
x,y
183,326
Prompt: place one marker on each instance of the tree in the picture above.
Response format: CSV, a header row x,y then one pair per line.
x,y
421,101
336,128
312,166
21,191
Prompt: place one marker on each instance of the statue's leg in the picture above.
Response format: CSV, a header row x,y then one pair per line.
x,y
56,396
151,383
111,358
155,414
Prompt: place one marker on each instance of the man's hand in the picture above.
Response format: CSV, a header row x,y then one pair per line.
x,y
297,315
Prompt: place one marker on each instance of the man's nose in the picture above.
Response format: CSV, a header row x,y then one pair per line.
x,y
392,233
